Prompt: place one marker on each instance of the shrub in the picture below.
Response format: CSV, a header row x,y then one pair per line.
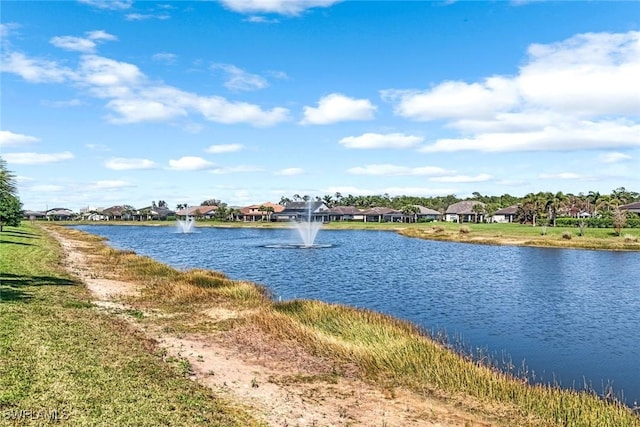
x,y
464,230
582,226
566,235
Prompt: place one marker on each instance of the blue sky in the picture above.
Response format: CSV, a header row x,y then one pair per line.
x,y
128,102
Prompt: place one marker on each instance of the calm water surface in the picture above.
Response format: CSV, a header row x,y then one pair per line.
x,y
571,316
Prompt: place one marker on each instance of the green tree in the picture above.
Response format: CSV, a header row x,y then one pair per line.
x,y
477,209
10,205
411,212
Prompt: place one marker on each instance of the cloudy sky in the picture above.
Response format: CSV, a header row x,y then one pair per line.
x,y
128,102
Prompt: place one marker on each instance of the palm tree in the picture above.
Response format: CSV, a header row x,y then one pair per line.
x,y
531,206
269,210
232,214
410,210
552,203
477,208
592,199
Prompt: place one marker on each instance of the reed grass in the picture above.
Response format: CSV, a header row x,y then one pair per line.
x,y
396,353
385,350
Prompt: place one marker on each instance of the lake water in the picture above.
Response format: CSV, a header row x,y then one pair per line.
x,y
571,316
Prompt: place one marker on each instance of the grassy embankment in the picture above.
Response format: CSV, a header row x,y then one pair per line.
x,y
527,235
383,350
61,360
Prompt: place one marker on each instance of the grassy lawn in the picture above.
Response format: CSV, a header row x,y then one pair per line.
x,y
63,360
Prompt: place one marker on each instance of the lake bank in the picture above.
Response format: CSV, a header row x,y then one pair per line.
x,y
178,296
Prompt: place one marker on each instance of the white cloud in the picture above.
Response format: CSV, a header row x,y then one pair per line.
x,y
377,140
98,147
563,176
107,73
220,110
80,44
390,170
463,178
74,43
109,4
262,20
146,16
8,138
593,74
7,28
290,171
238,79
143,110
168,58
416,191
224,148
392,191
110,185
46,188
37,158
236,169
282,7
450,100
63,104
120,163
134,99
35,70
614,157
562,137
580,93
190,163
336,107
100,35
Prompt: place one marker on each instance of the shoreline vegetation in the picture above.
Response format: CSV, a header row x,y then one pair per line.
x,y
57,350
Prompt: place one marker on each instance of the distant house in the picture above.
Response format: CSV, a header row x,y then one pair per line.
x,y
117,212
631,207
200,212
505,214
427,214
464,212
59,214
344,213
254,213
299,211
153,213
380,214
33,215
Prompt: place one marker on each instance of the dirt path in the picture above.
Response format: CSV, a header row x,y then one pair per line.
x,y
281,384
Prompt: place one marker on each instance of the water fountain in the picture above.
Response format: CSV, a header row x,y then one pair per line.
x,y
307,230
187,225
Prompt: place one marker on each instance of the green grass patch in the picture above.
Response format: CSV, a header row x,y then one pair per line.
x,y
59,358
